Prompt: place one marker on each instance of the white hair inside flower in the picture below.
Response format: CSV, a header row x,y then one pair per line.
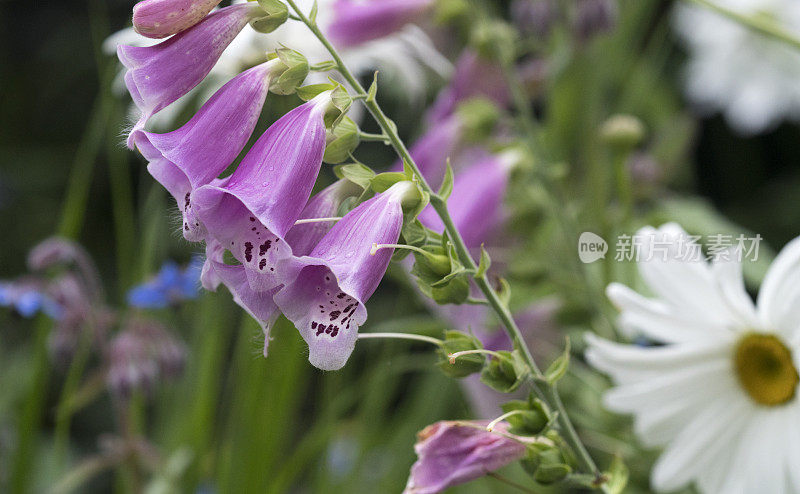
x,y
718,390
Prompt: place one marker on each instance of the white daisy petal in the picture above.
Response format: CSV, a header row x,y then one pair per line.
x,y
714,425
779,296
658,320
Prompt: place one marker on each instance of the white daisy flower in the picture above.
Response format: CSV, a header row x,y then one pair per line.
x,y
720,394
751,78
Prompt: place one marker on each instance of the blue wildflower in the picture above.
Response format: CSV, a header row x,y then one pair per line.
x,y
27,300
170,286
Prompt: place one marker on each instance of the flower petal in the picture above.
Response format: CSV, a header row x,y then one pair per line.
x,y
779,297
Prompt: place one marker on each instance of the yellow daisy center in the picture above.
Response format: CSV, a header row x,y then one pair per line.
x,y
765,369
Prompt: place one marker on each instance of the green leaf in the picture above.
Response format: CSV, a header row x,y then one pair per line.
x,y
342,141
559,366
357,173
447,184
312,16
456,341
373,88
485,264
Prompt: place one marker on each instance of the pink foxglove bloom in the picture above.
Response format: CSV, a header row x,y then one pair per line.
x,y
163,18
304,237
433,148
198,152
474,76
158,75
355,22
325,292
476,203
452,453
253,209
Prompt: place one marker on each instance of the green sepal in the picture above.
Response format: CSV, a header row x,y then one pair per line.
x,y
372,92
505,372
357,173
294,75
383,181
536,418
342,141
275,14
456,341
485,263
311,91
616,478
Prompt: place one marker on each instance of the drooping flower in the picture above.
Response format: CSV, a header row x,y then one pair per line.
x,y
355,22
747,76
406,54
476,202
433,148
325,292
163,18
160,74
170,286
452,453
142,352
720,393
196,154
304,237
474,76
253,209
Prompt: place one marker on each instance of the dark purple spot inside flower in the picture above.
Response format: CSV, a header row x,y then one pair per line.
x,y
335,314
262,263
263,248
252,218
248,251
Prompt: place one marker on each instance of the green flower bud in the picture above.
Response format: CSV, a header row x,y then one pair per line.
x,y
342,140
478,117
494,40
623,132
275,14
505,373
534,419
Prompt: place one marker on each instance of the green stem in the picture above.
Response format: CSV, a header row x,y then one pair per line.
x,y
762,25
440,206
367,137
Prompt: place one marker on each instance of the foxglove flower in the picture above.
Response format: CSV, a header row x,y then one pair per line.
x,y
720,392
476,202
474,76
163,18
325,292
452,453
355,22
170,286
160,74
251,212
433,148
304,237
198,152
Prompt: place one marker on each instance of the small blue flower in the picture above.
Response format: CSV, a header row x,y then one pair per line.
x,y
27,300
170,286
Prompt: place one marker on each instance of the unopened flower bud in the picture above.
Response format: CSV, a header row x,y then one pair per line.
x,y
454,342
623,132
494,40
275,14
163,18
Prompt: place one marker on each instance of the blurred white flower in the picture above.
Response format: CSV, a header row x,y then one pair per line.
x,y
751,78
405,55
720,394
